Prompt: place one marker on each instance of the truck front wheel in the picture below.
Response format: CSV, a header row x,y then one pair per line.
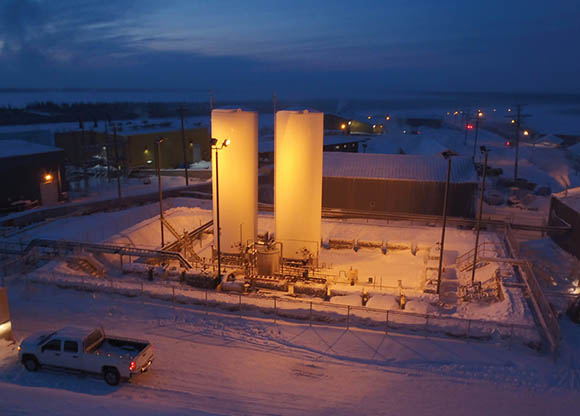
x,y
111,376
30,363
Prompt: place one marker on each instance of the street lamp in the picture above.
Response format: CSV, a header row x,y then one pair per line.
x,y
485,151
448,154
479,116
158,162
214,145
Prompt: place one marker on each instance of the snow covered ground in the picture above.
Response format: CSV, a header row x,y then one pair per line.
x,y
211,363
403,267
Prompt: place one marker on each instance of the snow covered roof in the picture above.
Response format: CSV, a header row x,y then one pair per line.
x,y
12,148
575,149
400,167
570,197
550,138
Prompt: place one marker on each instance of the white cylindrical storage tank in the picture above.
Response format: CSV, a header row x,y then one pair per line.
x,y
238,177
298,142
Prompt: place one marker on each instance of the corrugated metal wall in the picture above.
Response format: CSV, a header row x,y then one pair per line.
x,y
398,196
569,241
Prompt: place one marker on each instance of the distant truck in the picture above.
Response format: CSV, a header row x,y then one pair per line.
x,y
87,351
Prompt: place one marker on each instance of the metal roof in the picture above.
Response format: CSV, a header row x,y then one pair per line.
x,y
399,167
14,148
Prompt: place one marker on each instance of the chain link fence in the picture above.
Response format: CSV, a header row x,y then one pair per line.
x,y
314,312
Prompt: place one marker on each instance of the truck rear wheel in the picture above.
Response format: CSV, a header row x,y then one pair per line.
x,y
111,376
30,363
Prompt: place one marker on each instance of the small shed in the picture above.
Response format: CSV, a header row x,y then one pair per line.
x,y
31,172
409,184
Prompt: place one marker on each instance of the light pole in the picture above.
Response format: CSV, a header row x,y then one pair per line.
x,y
184,146
158,163
485,151
214,145
448,154
477,118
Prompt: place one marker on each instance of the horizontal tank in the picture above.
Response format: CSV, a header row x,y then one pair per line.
x,y
238,177
298,143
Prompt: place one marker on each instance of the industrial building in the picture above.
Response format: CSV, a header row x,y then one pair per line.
x,y
32,175
565,210
88,147
398,183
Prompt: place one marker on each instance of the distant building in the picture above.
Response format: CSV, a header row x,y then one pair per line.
x,y
332,143
32,174
565,210
346,125
398,183
134,150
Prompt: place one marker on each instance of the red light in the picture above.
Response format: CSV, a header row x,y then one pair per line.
x,y
469,127
508,143
132,366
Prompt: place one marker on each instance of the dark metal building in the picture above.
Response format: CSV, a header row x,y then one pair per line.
x,y
398,183
29,170
565,210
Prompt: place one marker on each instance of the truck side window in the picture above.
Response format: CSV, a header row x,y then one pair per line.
x,y
53,345
71,346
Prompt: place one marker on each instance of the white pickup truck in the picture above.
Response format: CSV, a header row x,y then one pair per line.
x,y
87,351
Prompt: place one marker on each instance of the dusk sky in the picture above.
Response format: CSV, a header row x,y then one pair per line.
x,y
324,48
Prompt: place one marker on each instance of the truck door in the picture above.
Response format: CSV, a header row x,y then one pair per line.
x,y
71,358
50,353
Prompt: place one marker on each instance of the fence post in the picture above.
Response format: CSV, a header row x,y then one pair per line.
x,y
426,325
173,294
348,317
387,323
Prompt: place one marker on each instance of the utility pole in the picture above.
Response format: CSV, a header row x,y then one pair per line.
x,y
518,116
107,149
185,163
485,151
477,118
158,163
117,161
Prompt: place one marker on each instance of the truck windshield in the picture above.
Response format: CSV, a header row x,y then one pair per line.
x,y
43,338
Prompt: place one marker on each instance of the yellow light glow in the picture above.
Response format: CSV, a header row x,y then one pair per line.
x,y
146,151
369,117
227,143
388,118
509,109
374,126
455,113
480,114
526,132
513,121
343,126
48,177
5,328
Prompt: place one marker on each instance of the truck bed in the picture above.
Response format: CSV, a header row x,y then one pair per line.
x,y
116,346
